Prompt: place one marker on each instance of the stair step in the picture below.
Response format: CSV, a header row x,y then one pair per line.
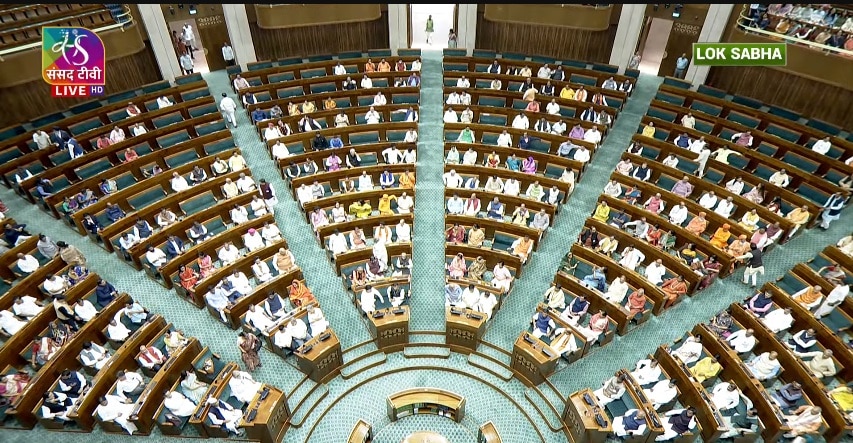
x,y
489,351
302,390
304,410
364,363
548,410
426,352
490,365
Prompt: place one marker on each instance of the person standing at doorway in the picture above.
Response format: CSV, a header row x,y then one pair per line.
x,y
228,54
188,36
681,65
430,28
451,39
635,61
186,64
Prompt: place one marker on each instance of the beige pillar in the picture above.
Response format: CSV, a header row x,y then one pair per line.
x,y
712,31
466,35
240,34
161,41
398,27
627,34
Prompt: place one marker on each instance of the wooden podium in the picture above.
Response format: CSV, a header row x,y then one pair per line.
x,y
391,330
321,357
586,422
532,360
464,330
426,401
271,416
488,433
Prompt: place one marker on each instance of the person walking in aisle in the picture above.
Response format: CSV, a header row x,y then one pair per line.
x,y
430,28
228,54
228,107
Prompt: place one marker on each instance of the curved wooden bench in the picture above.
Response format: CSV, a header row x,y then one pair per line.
x,y
362,432
490,227
331,181
514,100
390,113
480,111
294,89
509,202
377,132
327,203
426,401
369,150
524,180
488,135
309,70
344,98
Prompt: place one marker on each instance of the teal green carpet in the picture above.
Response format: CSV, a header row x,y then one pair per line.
x,y
349,400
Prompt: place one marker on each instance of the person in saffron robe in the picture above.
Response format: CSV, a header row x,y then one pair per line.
x,y
738,247
697,224
721,236
602,212
799,216
808,297
299,294
653,236
188,276
636,303
457,266
673,288
407,180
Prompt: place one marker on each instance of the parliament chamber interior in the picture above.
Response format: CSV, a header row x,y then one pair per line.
x,y
637,247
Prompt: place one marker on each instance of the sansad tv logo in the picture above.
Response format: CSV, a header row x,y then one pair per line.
x,y
73,62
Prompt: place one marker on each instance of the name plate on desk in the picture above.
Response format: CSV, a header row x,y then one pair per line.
x,y
390,328
321,356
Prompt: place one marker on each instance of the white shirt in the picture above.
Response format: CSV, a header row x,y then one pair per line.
x,y
740,342
777,320
366,82
372,117
677,214
581,154
724,208
821,146
655,273
512,187
470,297
119,332
164,102
463,83
27,308
724,399
453,99
661,393
505,140
452,180
338,243
735,186
708,201
379,100
340,69
365,183
179,183
613,189
368,300
450,116
86,311
553,108
558,128
632,258
227,104
227,53
779,179
246,184
392,155
28,263
156,257
404,232
132,381
592,136
521,122
272,133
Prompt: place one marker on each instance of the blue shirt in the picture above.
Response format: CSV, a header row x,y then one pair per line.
x,y
682,62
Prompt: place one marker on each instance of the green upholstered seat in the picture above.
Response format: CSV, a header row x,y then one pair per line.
x,y
312,73
146,198
167,120
181,158
198,111
173,139
198,203
281,77
92,169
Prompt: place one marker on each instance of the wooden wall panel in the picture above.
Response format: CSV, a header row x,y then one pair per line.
x,y
273,44
772,86
32,99
567,16
297,15
549,41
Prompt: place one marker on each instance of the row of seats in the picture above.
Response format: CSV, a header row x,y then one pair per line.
x,y
22,25
783,351
78,346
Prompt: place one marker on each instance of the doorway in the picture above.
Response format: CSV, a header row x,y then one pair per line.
x,y
443,19
653,47
200,63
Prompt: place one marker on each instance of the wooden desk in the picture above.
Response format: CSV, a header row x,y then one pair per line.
x,y
462,331
391,331
530,363
488,433
425,437
271,419
426,401
362,432
320,360
580,418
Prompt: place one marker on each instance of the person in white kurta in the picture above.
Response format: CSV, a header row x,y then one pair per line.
x,y
243,386
690,351
661,393
256,317
9,323
778,320
764,366
655,272
742,340
114,409
725,396
179,405
117,331
367,300
403,231
631,258
486,304
833,299
646,372
381,253
611,390
555,297
85,309
317,320
26,307
338,243
617,291
678,214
